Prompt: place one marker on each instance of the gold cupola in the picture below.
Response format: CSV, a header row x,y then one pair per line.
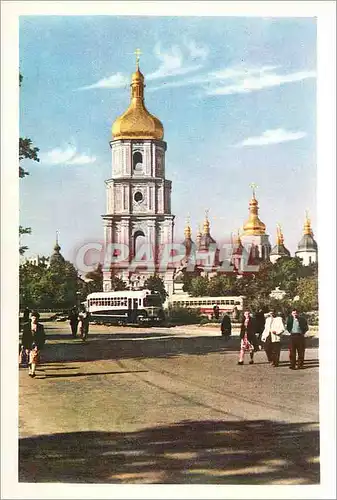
x,y
254,226
307,225
188,230
137,122
279,235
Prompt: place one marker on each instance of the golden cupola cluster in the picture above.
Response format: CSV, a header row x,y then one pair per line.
x,y
254,226
137,122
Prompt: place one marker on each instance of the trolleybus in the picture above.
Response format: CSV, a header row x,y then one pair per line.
x,y
129,306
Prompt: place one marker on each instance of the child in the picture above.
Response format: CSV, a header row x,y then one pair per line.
x,y
33,360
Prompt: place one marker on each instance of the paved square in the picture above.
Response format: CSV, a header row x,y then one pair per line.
x,y
166,406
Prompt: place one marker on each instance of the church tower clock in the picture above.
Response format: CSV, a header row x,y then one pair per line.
x,y
138,193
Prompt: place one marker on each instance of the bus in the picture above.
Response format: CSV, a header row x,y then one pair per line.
x,y
206,304
125,307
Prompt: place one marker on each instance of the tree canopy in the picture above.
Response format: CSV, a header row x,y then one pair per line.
x,y
288,273
156,284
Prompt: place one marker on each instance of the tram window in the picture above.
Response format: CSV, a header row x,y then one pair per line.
x,y
218,302
232,302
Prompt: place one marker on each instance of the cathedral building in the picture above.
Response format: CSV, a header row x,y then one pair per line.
x,y
138,213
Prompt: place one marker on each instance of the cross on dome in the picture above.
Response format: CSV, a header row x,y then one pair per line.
x,y
138,53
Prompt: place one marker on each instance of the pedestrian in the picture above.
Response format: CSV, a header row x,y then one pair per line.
x,y
297,326
33,340
83,323
259,326
216,312
26,313
271,336
226,326
73,320
247,336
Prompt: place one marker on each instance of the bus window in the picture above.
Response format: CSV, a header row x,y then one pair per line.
x,y
232,302
218,302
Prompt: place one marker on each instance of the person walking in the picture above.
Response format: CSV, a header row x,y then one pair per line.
x,y
83,323
271,336
26,313
73,320
259,327
226,326
247,336
297,326
33,340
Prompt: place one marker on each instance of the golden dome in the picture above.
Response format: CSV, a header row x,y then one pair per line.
x,y
188,230
254,226
137,122
279,235
307,225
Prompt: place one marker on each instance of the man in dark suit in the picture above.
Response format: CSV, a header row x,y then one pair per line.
x,y
33,339
226,326
297,326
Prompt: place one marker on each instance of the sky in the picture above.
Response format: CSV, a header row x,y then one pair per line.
x,y
236,96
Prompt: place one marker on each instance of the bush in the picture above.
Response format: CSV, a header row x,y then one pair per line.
x,y
182,316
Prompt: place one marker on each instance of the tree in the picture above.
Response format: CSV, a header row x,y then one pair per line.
x,y
96,283
286,273
27,151
307,290
23,230
156,284
53,287
222,285
199,286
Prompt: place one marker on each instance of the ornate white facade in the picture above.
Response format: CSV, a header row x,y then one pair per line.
x,y
138,204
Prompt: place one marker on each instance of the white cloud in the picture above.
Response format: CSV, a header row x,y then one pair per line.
x,y
258,79
274,136
67,156
172,63
195,51
115,81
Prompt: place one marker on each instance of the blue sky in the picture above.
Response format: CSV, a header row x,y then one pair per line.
x,y
236,97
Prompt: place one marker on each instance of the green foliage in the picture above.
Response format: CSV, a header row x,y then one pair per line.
x,y
199,286
48,288
26,151
23,230
288,273
307,290
156,284
222,285
182,316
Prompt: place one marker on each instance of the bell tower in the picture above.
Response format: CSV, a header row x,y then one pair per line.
x,y
138,213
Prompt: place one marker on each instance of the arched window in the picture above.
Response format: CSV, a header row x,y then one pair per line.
x,y
138,241
137,159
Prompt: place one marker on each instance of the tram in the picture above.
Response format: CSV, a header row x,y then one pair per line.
x,y
206,304
125,307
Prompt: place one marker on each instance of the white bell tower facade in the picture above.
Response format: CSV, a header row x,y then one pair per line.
x,y
138,215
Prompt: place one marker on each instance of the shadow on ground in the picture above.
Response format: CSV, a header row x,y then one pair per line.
x,y
204,452
140,345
